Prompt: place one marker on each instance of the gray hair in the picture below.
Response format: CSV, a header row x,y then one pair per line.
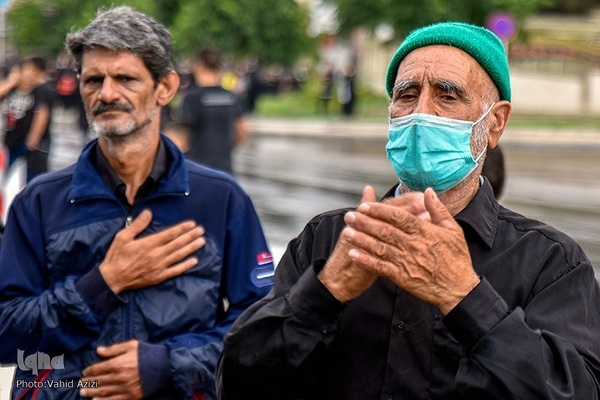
x,y
123,28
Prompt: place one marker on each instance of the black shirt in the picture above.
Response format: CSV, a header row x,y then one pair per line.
x,y
18,110
529,330
212,113
112,180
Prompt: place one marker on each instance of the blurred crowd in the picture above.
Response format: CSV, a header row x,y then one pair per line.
x,y
36,84
42,120
40,106
339,84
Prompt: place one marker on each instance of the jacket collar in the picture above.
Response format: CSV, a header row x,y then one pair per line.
x,y
88,183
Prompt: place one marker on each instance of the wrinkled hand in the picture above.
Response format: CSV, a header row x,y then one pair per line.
x,y
118,375
344,279
425,252
340,276
132,263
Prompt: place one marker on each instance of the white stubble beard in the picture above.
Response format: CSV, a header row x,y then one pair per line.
x,y
121,132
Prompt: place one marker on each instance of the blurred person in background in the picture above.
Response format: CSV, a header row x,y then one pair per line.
x,y
179,133
347,90
214,114
437,291
10,77
68,124
26,113
127,268
326,77
11,73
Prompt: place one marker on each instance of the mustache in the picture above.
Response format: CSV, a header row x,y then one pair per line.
x,y
103,107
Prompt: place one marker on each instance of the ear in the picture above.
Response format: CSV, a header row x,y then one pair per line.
x,y
499,114
167,88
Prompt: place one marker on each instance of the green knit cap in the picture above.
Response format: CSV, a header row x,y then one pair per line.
x,y
481,44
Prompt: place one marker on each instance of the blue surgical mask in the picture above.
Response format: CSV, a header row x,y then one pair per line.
x,y
430,151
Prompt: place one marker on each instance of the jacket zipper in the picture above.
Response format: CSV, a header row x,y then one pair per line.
x,y
127,329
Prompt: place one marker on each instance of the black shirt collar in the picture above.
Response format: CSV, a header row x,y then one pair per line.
x,y
480,215
112,180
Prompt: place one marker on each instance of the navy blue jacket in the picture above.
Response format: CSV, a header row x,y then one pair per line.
x,y
55,308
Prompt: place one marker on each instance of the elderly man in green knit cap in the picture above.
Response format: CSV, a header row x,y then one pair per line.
x,y
436,291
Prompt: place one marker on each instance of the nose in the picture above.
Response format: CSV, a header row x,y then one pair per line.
x,y
424,103
109,92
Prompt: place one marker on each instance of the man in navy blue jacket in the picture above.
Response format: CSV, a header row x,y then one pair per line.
x,y
121,273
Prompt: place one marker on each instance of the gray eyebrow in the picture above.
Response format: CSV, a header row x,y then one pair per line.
x,y
443,84
403,85
450,86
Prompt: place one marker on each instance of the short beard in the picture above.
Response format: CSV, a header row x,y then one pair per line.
x,y
479,141
122,132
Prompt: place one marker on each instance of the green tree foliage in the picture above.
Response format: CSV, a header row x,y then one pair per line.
x,y
40,26
406,15
273,30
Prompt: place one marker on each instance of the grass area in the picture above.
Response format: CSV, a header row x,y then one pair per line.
x,y
299,105
303,104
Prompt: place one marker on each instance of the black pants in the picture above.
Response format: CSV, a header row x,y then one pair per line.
x,y
37,163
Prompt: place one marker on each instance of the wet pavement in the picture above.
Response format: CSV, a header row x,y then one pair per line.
x,y
292,177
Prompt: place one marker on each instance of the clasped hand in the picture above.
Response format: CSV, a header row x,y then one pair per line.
x,y
412,240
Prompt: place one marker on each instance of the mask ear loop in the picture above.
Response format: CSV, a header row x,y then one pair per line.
x,y
485,114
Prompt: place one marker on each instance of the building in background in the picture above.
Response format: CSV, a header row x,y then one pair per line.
x,y
555,63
